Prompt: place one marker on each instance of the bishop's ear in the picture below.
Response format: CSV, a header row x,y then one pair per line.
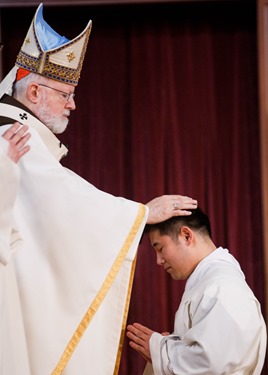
x,y
33,92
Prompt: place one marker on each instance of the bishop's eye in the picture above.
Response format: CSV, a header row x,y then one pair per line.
x,y
65,96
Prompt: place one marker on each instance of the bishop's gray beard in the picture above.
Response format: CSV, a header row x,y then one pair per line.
x,y
57,124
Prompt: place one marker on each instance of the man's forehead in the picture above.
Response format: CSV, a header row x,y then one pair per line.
x,y
156,237
61,85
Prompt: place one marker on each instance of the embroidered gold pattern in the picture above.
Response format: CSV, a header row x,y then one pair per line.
x,y
71,56
27,41
101,295
24,61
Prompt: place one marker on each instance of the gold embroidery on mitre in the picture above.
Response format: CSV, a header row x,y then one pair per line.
x,y
71,56
55,64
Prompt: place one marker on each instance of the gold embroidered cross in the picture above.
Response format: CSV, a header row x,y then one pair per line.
x,y
27,41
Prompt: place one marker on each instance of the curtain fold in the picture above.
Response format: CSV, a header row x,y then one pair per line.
x,y
167,103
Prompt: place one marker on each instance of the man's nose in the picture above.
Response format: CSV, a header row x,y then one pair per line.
x,y
159,260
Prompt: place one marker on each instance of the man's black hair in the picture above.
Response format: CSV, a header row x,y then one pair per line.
x,y
197,221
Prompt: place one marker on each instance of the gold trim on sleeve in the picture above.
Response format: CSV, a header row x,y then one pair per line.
x,y
69,350
123,329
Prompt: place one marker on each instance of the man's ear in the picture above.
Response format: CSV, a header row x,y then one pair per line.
x,y
186,234
33,92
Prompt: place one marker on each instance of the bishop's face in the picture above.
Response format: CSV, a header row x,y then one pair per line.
x,y
55,104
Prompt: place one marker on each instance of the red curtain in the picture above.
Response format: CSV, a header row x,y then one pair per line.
x,y
167,103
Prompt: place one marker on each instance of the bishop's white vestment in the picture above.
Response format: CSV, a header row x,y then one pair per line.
x,y
13,352
76,267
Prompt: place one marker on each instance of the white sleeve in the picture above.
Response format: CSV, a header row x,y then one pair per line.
x,y
9,175
223,337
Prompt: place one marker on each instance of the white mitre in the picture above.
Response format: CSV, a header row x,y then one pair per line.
x,y
46,52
